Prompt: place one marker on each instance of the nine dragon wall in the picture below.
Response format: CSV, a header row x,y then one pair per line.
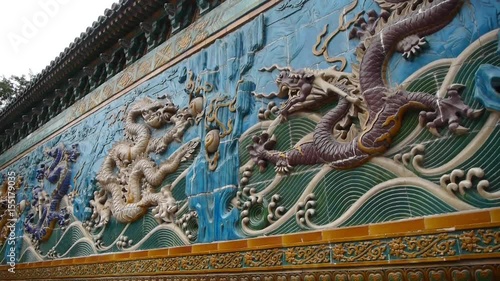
x,y
213,204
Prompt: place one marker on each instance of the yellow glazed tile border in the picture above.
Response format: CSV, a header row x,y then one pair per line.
x,y
99,270
284,251
489,270
456,220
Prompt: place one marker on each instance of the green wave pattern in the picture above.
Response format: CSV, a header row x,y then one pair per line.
x,y
81,249
289,226
291,132
398,203
2,251
291,187
28,256
488,159
340,189
148,223
68,239
113,229
184,165
179,191
53,239
139,228
162,238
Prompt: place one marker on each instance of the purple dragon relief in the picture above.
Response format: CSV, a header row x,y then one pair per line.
x,y
44,207
364,93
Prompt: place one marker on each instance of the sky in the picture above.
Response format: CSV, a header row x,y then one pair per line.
x,y
34,32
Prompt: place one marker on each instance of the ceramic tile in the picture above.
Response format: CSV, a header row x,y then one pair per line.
x,y
345,233
203,248
179,250
275,241
388,228
302,238
445,221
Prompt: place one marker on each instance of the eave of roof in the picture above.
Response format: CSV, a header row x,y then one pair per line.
x,y
117,22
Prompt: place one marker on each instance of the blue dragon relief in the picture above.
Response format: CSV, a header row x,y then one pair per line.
x,y
45,209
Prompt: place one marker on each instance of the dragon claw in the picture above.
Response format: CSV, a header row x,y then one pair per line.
x,y
475,113
456,88
458,129
448,112
434,131
282,166
263,138
260,148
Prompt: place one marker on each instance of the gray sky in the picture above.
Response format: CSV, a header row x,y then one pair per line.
x,y
34,32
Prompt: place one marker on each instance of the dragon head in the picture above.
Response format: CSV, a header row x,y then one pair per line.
x,y
183,114
156,114
294,85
